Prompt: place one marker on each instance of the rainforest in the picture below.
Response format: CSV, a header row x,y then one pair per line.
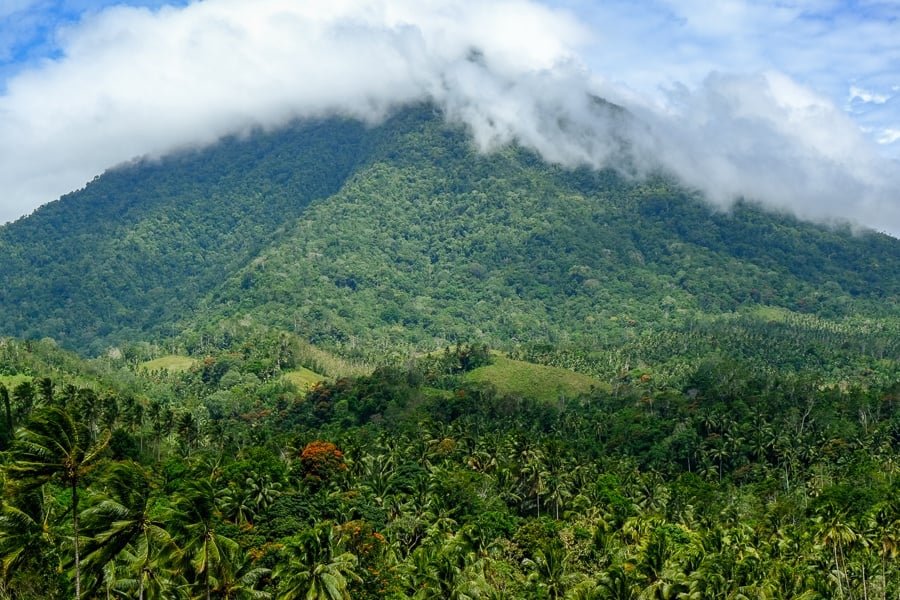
x,y
345,360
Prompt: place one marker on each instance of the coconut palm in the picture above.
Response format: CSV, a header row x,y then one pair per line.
x,y
836,533
27,537
209,553
315,570
242,581
54,446
549,570
445,569
123,514
617,584
147,572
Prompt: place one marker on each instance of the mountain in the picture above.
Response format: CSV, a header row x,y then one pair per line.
x,y
360,236
650,397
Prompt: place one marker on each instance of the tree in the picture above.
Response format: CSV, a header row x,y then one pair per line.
x,y
321,462
7,432
550,570
124,514
314,569
28,541
617,584
241,582
884,527
54,446
836,533
203,547
24,394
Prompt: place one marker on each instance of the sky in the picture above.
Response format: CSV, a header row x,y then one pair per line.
x,y
791,103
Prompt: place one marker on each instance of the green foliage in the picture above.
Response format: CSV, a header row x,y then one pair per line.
x,y
687,405
372,240
137,248
731,485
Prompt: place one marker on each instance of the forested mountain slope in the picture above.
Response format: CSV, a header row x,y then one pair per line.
x,y
404,233
438,242
137,247
732,429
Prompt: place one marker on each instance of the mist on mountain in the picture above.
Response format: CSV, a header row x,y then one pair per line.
x,y
139,83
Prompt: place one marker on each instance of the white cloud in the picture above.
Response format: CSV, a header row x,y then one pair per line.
x,y
137,82
768,138
888,136
827,45
857,93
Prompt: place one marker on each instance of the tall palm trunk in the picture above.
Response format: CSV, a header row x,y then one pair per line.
x,y
75,536
4,394
206,564
837,566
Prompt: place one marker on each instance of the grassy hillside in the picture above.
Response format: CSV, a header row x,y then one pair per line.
x,y
172,363
303,378
529,380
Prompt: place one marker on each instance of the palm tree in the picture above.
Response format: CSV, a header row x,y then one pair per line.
x,y
617,584
534,474
314,569
189,431
149,573
124,514
883,525
87,405
241,582
54,446
445,570
27,537
236,506
549,569
204,548
836,533
7,414
262,491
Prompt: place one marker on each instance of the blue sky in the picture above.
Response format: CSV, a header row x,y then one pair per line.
x,y
29,29
849,51
792,102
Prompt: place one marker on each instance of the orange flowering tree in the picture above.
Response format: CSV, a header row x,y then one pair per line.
x,y
320,461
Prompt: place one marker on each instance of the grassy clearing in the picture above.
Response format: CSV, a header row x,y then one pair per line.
x,y
329,364
173,363
303,378
11,381
536,381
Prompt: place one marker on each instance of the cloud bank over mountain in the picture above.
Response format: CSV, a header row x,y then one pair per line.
x,y
136,82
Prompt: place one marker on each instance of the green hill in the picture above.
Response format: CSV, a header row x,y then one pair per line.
x,y
680,402
171,363
137,248
529,380
374,241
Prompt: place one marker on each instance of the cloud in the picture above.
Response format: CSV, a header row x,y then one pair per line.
x,y
828,45
889,136
135,82
765,137
866,97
